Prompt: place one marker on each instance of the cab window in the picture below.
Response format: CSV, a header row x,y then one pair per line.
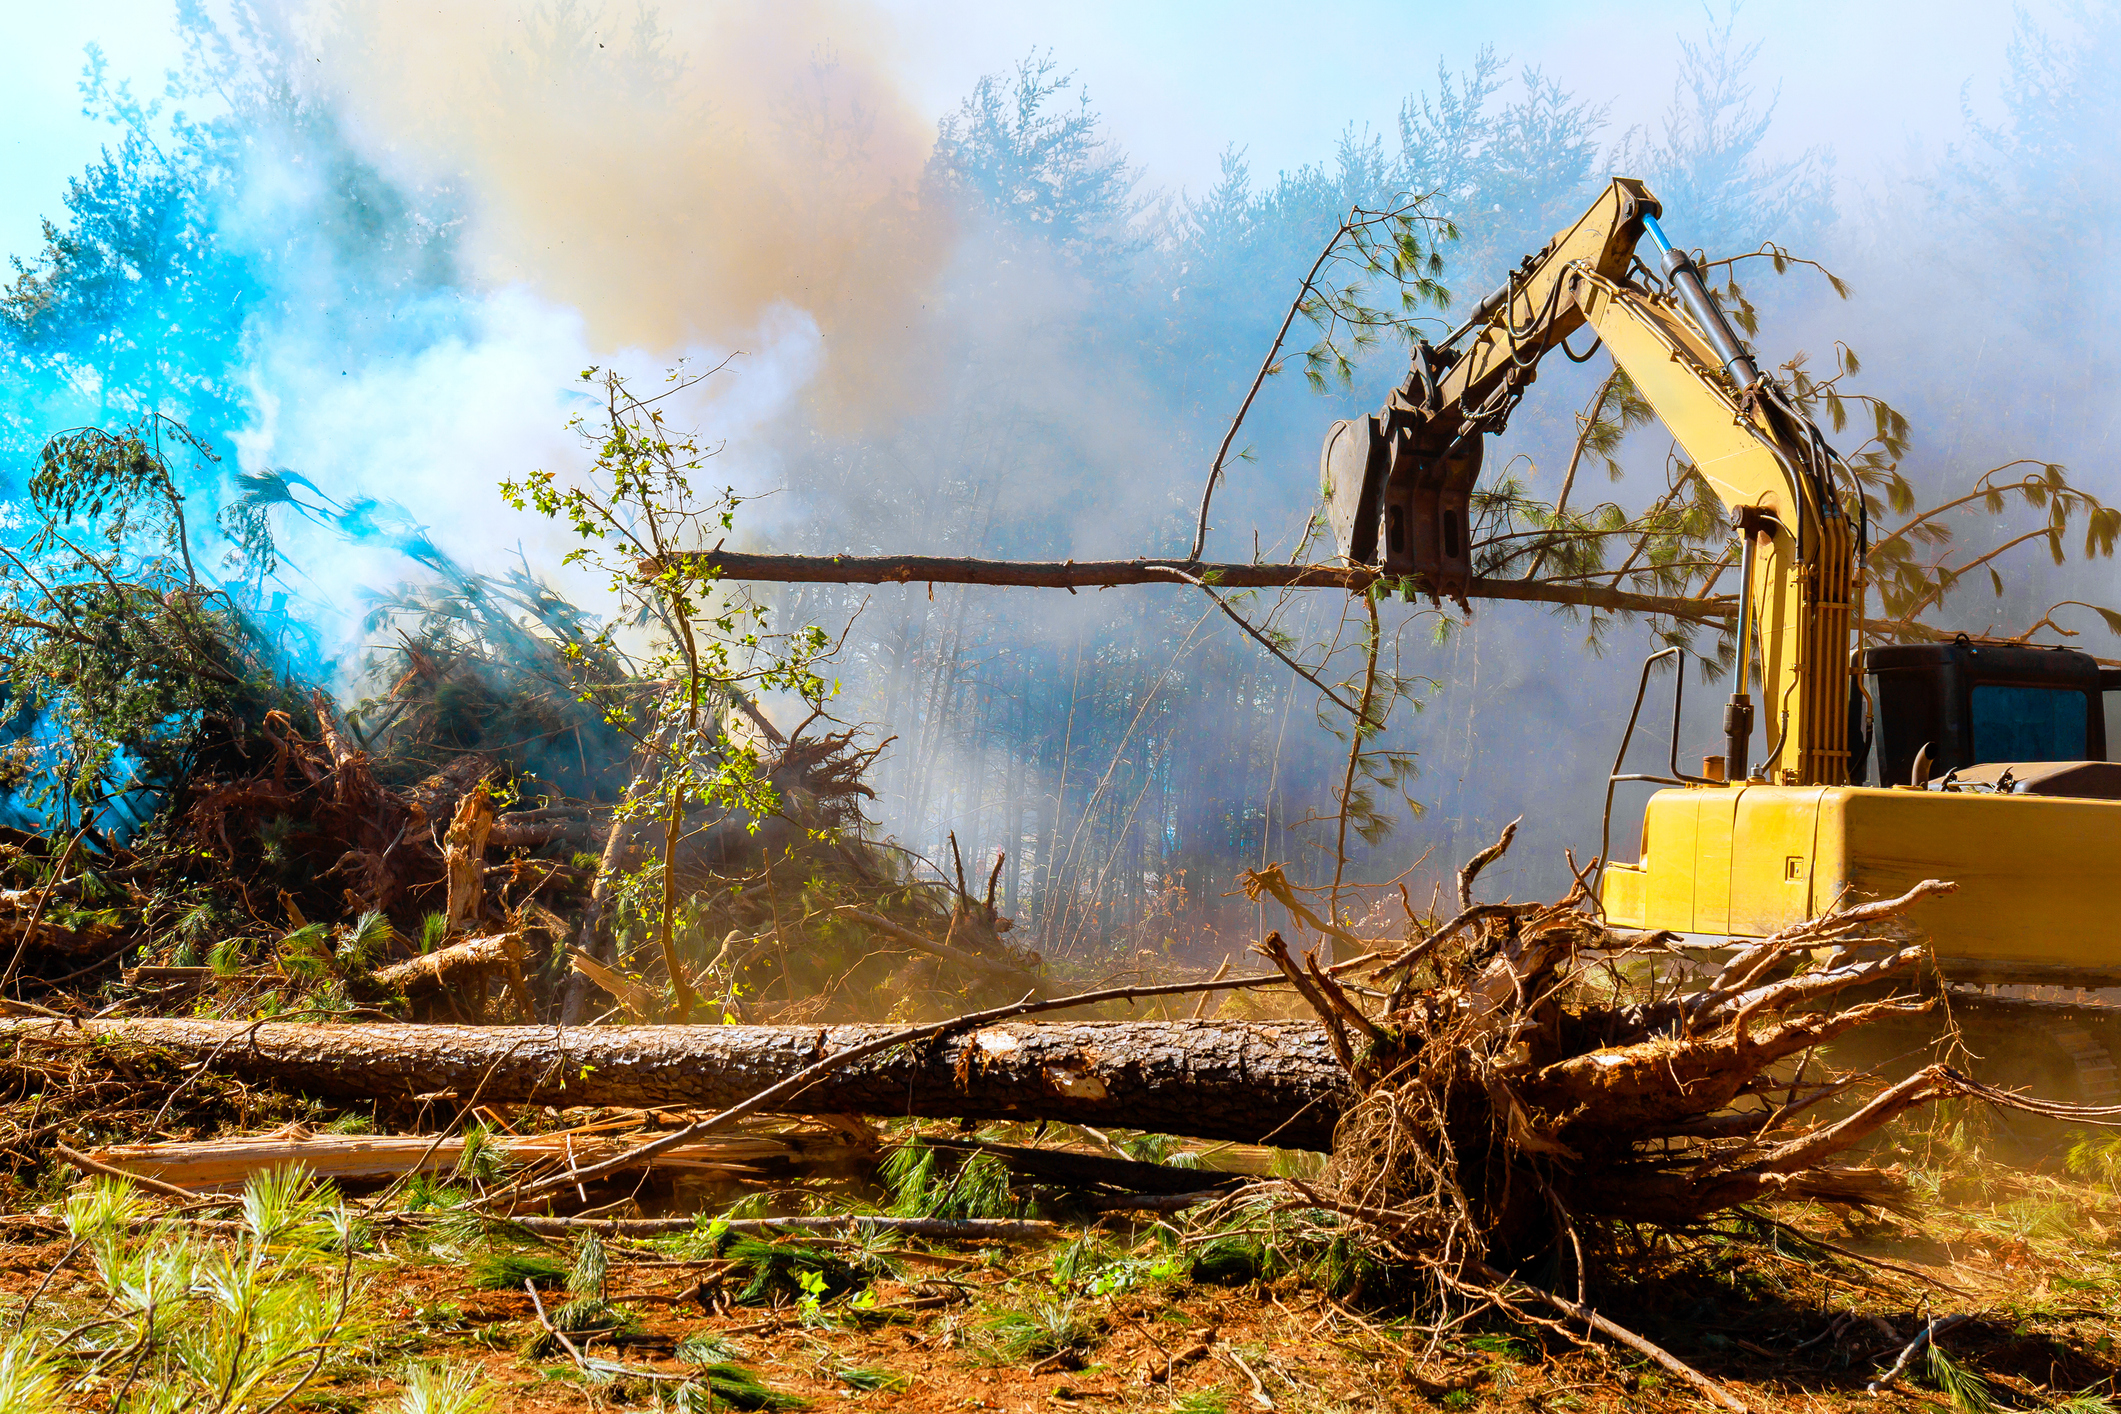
x,y
2030,723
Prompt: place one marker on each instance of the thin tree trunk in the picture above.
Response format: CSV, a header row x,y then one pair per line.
x,y
595,938
681,993
1355,734
1013,831
941,710
1049,894
1064,574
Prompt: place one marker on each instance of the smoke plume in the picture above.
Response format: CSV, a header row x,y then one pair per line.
x,y
670,174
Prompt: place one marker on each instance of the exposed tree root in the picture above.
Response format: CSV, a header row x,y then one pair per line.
x,y
1522,1085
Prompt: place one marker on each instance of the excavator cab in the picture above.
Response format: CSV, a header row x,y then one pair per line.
x,y
1957,714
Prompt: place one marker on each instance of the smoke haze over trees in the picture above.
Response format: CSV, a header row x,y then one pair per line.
x,y
981,332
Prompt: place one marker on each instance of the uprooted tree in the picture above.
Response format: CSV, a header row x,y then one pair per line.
x,y
1499,1082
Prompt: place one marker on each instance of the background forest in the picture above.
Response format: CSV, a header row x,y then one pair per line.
x,y
1009,345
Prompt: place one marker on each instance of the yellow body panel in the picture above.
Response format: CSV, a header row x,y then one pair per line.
x,y
1771,858
2038,876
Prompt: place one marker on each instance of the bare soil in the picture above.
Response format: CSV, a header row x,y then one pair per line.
x,y
1784,1324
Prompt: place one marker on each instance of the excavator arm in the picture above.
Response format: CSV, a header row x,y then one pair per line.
x,y
1397,484
1769,465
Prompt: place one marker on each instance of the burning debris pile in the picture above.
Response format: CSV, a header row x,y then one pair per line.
x,y
523,822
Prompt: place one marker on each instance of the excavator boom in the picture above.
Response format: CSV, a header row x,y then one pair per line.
x,y
1798,554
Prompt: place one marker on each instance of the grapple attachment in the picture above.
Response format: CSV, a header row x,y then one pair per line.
x,y
1396,494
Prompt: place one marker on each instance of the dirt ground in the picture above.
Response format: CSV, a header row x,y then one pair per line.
x,y
1792,1309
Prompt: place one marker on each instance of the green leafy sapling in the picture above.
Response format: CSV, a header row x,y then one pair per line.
x,y
640,520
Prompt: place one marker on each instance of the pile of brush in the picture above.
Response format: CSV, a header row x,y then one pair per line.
x,y
798,916
304,871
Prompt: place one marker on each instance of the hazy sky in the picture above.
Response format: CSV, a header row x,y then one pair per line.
x,y
1180,81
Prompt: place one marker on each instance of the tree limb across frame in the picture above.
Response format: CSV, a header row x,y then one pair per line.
x,y
1098,574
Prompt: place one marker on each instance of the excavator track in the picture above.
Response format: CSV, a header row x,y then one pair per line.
x,y
2082,1024
2058,1043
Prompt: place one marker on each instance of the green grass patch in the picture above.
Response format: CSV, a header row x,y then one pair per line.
x,y
1046,1326
507,1271
926,1182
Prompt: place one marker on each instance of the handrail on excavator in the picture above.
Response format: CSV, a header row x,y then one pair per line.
x,y
1678,777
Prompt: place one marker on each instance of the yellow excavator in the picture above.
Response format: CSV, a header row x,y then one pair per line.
x,y
1989,758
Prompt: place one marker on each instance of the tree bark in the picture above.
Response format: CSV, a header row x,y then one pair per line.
x,y
460,970
1250,1082
450,968
1091,574
464,857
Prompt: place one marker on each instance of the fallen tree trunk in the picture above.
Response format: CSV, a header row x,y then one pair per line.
x,y
1254,1082
937,1229
1072,575
226,1163
1090,574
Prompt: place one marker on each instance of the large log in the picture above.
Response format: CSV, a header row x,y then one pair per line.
x,y
1253,1082
1096,574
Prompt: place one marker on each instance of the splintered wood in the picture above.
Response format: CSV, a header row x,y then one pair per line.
x,y
464,856
229,1163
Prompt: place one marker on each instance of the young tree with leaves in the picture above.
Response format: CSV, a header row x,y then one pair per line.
x,y
636,512
126,662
